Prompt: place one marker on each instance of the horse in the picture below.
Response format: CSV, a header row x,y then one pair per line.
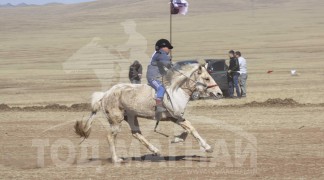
x,y
127,102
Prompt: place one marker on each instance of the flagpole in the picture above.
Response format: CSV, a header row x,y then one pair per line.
x,y
171,26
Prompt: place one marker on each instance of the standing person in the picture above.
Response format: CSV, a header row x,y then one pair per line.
x,y
233,73
243,72
135,72
156,69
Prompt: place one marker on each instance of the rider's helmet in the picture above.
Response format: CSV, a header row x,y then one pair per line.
x,y
162,43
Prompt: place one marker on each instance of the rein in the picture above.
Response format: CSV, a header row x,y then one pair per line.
x,y
196,82
211,86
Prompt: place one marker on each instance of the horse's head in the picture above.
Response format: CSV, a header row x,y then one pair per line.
x,y
193,78
205,84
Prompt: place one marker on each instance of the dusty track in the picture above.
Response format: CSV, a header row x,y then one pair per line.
x,y
86,106
289,143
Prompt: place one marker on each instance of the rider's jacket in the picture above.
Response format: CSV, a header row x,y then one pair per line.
x,y
156,68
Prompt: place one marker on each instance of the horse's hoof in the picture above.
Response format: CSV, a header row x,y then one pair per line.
x,y
210,150
118,160
157,154
155,151
177,140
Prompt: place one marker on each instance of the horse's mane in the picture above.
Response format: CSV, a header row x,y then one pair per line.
x,y
177,75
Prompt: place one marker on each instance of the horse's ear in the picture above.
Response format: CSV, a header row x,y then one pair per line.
x,y
200,70
202,62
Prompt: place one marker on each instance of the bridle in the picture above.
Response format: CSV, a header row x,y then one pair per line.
x,y
188,87
196,82
211,86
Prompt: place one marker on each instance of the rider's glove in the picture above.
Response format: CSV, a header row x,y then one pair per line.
x,y
169,66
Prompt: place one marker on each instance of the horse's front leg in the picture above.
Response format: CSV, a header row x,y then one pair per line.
x,y
180,138
185,124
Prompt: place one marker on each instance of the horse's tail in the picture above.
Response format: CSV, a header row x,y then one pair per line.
x,y
96,101
83,127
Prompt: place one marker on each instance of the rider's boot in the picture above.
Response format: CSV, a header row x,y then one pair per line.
x,y
159,106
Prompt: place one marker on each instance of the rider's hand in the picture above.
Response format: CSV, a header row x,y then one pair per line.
x,y
169,66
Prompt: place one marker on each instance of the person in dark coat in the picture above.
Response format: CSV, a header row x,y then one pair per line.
x,y
135,72
233,74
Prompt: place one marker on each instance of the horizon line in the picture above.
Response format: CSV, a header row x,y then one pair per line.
x,y
39,4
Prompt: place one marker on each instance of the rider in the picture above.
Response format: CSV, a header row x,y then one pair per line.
x,y
157,68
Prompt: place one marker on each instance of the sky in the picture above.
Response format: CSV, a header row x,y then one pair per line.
x,y
39,2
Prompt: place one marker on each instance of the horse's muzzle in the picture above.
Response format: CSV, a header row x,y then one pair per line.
x,y
216,96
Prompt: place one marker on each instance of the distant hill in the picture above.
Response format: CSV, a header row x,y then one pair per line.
x,y
53,4
22,5
9,5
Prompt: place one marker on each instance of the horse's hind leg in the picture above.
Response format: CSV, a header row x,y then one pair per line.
x,y
112,143
115,118
136,132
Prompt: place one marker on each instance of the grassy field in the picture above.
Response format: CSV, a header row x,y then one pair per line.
x,y
62,53
37,41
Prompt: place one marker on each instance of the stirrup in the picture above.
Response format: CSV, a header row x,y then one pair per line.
x,y
159,109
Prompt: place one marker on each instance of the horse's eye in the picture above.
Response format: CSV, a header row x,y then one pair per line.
x,y
207,79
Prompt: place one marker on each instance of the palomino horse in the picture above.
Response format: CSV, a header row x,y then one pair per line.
x,y
130,101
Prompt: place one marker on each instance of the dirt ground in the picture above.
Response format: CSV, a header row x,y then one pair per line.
x,y
285,142
46,81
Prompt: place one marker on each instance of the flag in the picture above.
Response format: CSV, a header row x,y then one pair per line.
x,y
179,7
